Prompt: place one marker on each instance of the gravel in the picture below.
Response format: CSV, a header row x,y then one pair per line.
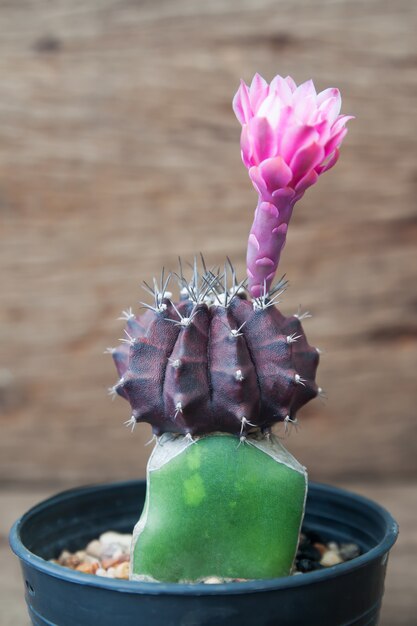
x,y
109,556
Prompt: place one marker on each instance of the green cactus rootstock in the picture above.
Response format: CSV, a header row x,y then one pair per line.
x,y
218,507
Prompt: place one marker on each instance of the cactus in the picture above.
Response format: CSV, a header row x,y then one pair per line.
x,y
214,371
215,361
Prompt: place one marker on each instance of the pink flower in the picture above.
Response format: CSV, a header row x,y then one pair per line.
x,y
290,135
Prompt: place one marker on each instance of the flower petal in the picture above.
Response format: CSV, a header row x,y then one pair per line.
x,y
296,137
284,200
303,91
335,141
341,121
291,83
262,139
276,173
328,163
258,90
305,160
271,109
330,108
305,110
280,87
257,180
323,130
332,92
307,181
241,104
246,147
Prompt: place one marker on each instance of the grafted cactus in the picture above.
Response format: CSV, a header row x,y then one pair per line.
x,y
214,371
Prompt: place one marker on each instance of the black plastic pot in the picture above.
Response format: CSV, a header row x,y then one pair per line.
x,y
346,594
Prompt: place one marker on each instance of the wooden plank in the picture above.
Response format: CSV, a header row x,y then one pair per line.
x,y
119,151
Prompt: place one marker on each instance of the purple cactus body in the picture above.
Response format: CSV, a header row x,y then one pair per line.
x,y
200,366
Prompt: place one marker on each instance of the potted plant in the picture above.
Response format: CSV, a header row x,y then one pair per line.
x,y
212,372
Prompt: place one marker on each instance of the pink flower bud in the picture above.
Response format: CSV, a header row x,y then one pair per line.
x,y
290,135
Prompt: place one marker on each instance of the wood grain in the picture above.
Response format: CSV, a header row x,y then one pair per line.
x,y
119,151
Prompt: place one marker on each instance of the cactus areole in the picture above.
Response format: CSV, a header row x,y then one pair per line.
x,y
213,370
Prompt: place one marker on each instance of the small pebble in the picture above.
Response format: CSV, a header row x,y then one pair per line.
x,y
94,548
111,551
91,559
349,551
122,570
116,560
241,580
330,558
87,568
101,572
111,537
71,561
321,548
213,580
81,554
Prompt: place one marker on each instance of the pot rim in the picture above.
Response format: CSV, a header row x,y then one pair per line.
x,y
196,589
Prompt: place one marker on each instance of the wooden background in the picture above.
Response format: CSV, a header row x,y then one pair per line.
x,y
119,151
